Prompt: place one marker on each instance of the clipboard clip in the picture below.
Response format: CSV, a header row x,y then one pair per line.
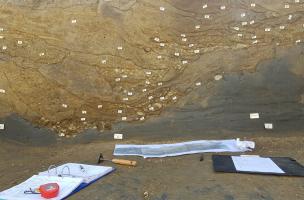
x,y
62,174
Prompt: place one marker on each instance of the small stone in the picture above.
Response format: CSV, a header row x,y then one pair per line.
x,y
289,17
151,108
147,49
218,77
140,113
184,62
61,135
198,83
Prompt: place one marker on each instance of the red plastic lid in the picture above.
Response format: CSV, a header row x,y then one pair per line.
x,y
49,190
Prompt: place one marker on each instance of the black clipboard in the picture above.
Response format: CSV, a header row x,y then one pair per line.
x,y
224,163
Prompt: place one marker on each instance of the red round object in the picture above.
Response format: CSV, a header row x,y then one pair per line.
x,y
49,190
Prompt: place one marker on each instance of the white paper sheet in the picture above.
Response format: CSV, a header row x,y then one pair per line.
x,y
255,164
66,187
164,150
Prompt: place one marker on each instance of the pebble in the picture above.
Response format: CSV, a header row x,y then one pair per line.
x,y
218,77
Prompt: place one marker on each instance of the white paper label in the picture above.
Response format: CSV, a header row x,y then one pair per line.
x,y
118,136
268,126
1,126
254,116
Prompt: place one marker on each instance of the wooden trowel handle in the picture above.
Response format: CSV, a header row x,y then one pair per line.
x,y
124,162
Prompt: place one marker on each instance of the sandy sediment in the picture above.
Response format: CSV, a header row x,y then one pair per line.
x,y
72,65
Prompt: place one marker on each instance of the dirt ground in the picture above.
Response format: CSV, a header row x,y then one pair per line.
x,y
183,177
